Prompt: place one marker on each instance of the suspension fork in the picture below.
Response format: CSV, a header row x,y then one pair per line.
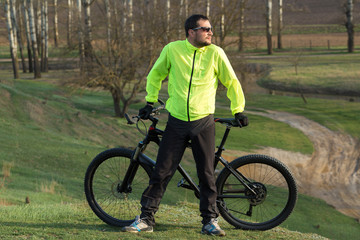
x,y
131,171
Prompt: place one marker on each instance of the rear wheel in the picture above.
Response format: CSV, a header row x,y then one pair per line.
x,y
103,179
268,204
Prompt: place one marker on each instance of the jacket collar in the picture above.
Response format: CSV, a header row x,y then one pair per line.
x,y
192,48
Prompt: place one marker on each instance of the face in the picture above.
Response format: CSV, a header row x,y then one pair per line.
x,y
200,37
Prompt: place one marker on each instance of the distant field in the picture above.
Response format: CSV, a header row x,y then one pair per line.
x,y
324,74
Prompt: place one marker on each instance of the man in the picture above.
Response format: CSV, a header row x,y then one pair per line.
x,y
193,67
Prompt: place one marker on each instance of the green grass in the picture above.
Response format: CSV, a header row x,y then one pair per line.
x,y
75,221
49,135
326,74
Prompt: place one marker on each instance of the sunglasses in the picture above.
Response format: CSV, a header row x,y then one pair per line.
x,y
206,29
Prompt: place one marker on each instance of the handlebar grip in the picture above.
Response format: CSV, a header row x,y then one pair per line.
x,y
130,122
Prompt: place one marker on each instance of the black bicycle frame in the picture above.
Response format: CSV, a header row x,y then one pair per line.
x,y
139,158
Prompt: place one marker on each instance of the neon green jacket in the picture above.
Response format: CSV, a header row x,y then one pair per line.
x,y
193,79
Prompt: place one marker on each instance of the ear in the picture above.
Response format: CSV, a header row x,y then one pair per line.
x,y
191,32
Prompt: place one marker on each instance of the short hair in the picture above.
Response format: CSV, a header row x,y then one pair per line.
x,y
192,22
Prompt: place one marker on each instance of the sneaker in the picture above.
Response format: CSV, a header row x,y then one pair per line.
x,y
139,225
212,228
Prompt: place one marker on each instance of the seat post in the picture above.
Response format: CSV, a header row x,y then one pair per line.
x,y
223,140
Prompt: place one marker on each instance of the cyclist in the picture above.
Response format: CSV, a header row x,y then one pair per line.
x,y
193,67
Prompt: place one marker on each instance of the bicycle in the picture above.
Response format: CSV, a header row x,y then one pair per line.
x,y
255,192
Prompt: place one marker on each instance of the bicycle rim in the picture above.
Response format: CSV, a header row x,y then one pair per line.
x,y
275,199
103,177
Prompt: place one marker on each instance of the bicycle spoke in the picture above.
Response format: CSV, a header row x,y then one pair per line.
x,y
264,205
112,206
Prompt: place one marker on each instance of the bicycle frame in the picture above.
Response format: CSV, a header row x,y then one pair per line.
x,y
153,135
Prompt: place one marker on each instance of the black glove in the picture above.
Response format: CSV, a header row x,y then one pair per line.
x,y
144,113
241,119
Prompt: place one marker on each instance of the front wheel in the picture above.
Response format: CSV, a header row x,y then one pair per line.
x,y
103,180
271,199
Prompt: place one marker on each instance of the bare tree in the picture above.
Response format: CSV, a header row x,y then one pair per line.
x,y
56,28
280,23
88,52
18,23
108,28
37,73
222,24
349,7
269,26
242,25
12,37
207,8
69,22
123,73
37,20
80,35
44,36
168,15
28,37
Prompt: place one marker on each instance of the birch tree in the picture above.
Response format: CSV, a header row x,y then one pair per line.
x,y
80,35
44,36
208,8
17,26
12,38
242,25
280,24
222,24
108,28
168,15
37,73
349,7
27,34
56,28
269,26
37,19
69,23
87,33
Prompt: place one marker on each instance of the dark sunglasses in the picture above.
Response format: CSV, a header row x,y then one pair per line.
x,y
206,29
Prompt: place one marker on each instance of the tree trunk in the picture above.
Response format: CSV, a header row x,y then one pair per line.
x,y
87,34
269,26
37,73
208,8
280,24
116,99
181,13
44,36
222,24
28,37
108,29
56,29
81,37
19,26
131,19
168,7
12,38
37,20
242,25
349,25
69,23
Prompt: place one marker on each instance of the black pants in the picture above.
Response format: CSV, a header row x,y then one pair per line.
x,y
177,134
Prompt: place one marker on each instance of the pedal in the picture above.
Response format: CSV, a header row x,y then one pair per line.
x,y
182,184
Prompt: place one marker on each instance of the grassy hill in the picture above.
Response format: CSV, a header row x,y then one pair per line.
x,y
49,134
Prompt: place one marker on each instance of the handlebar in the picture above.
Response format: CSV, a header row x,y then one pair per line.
x,y
155,111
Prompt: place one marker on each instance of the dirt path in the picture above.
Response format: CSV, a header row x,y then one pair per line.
x,y
332,173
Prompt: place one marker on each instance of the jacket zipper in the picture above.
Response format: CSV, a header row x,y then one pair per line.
x,y
188,99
